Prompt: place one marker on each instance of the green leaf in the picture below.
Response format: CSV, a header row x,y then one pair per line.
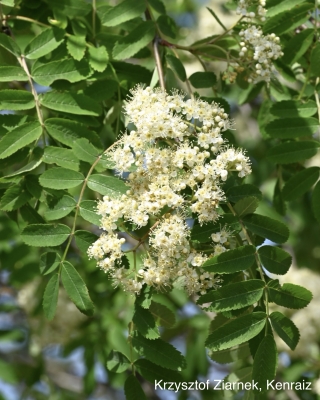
x,y
131,72
125,11
60,178
76,289
84,239
203,233
72,103
10,73
88,211
236,331
8,374
177,67
35,161
233,354
49,262
12,99
117,362
292,109
152,372
285,328
236,193
167,26
234,296
133,389
19,137
265,363
158,6
14,197
67,132
64,207
291,152
297,46
290,128
42,44
246,205
98,58
8,3
102,90
145,323
50,297
282,6
277,200
162,315
315,59
300,183
60,156
158,352
136,40
44,235
30,215
7,43
203,79
231,261
275,260
72,8
107,185
316,201
288,295
287,20
267,227
85,151
76,46
68,69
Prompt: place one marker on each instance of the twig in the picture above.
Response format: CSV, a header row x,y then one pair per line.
x,y
158,62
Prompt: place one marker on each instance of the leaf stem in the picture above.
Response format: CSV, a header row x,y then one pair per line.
x,y
22,62
73,229
22,18
316,95
158,62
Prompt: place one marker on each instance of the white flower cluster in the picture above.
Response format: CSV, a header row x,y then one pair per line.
x,y
177,159
261,50
258,5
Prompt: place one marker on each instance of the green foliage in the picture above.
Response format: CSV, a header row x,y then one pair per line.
x,y
265,363
145,323
289,295
60,178
300,183
285,328
50,297
231,261
202,79
107,185
291,152
234,296
135,41
117,362
236,331
275,260
133,390
152,372
16,100
159,352
45,43
55,167
76,288
267,227
44,235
